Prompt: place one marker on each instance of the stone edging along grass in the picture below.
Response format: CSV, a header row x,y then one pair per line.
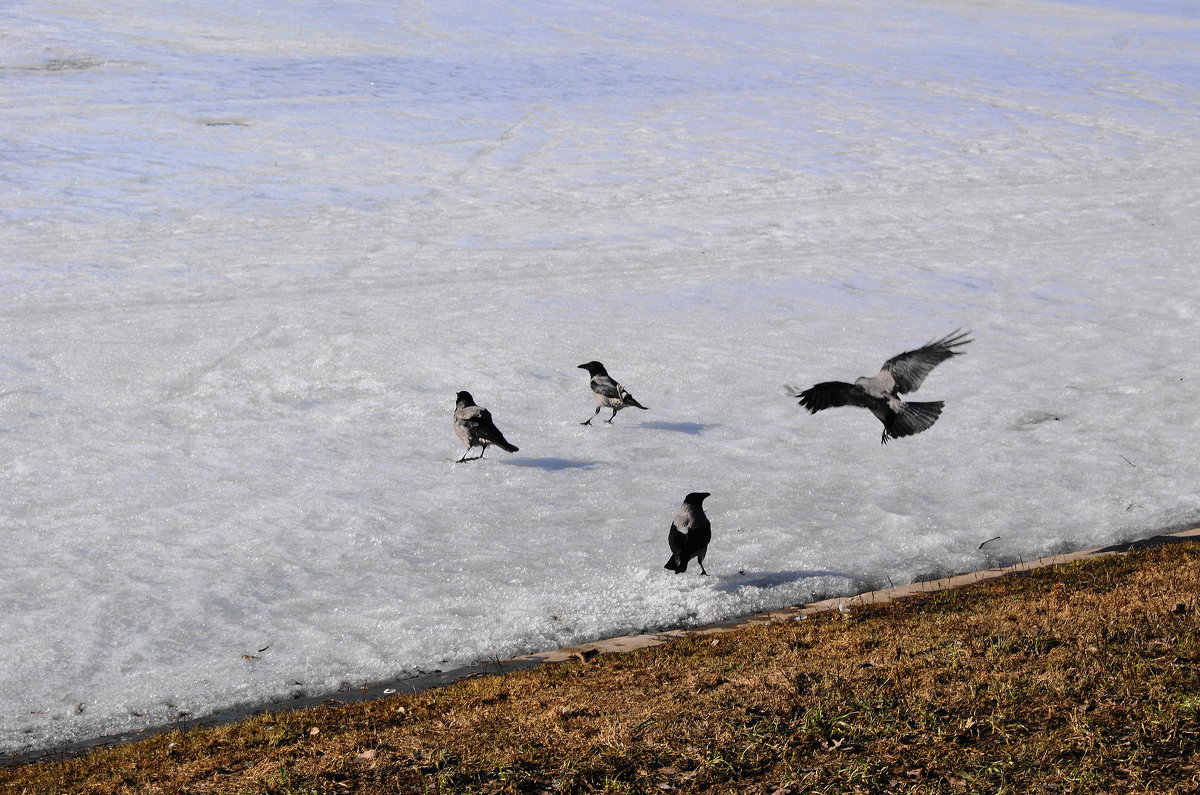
x,y
615,645
631,642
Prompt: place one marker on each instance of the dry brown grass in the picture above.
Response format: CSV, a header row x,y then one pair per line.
x,y
1079,679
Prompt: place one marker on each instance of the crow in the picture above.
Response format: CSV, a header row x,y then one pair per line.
x,y
473,425
689,534
879,393
608,392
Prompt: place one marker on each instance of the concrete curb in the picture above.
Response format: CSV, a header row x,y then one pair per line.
x,y
585,651
632,642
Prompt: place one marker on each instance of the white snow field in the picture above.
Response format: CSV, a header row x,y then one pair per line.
x,y
251,250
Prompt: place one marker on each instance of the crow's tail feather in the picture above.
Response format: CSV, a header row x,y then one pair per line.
x,y
912,418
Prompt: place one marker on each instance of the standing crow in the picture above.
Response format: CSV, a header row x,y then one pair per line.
x,y
473,425
900,374
689,534
608,392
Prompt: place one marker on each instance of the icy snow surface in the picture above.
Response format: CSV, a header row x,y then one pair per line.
x,y
252,249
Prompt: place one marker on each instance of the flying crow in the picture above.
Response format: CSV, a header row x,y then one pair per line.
x,y
473,425
608,392
879,393
689,534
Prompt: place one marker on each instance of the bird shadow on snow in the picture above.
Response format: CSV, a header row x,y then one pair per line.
x,y
691,428
773,579
550,464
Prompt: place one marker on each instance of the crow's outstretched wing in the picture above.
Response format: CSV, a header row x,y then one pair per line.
x,y
909,369
830,394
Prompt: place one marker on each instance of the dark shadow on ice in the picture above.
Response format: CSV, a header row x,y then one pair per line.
x,y
1032,419
550,464
691,428
1149,543
1165,535
773,579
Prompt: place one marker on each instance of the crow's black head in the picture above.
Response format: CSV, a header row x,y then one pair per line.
x,y
594,369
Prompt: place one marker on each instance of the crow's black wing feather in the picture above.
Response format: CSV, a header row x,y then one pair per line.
x,y
831,394
603,385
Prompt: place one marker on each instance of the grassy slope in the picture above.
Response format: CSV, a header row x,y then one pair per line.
x,y
1084,678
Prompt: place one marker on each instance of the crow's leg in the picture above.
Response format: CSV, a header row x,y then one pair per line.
x,y
589,419
614,414
464,458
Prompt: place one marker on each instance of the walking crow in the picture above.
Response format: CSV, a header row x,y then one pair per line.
x,y
609,393
473,425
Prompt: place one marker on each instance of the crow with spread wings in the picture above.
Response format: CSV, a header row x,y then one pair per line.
x,y
880,393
